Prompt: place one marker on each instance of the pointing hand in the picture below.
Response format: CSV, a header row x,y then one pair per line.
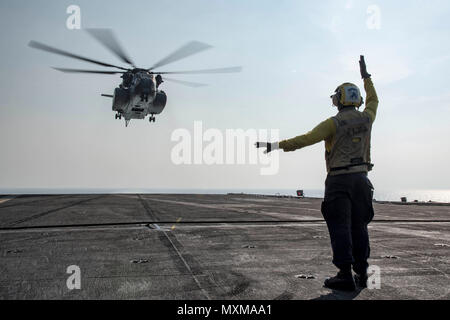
x,y
270,146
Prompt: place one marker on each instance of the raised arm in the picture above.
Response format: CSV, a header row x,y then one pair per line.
x,y
371,94
327,128
371,99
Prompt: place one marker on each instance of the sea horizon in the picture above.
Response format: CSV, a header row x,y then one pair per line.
x,y
422,195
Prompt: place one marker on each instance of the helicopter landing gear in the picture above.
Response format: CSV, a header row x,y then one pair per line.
x,y
152,118
118,116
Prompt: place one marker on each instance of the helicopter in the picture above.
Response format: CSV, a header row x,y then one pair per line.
x,y
138,95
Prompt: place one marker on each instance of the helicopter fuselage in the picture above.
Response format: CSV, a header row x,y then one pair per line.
x,y
138,96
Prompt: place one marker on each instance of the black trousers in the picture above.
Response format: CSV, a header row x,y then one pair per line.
x,y
347,209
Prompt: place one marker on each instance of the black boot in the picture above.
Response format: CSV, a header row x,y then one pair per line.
x,y
342,281
361,280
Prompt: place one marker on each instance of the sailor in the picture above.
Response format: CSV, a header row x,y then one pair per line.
x,y
347,205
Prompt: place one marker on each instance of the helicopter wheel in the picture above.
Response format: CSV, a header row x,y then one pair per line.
x,y
152,119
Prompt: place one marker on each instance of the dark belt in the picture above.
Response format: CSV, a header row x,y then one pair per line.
x,y
347,167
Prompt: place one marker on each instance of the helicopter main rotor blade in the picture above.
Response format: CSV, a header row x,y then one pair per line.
x,y
219,70
186,83
187,50
44,47
87,71
107,38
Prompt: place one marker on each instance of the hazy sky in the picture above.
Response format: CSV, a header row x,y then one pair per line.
x,y
57,132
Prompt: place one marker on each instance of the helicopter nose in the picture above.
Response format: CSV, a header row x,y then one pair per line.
x,y
146,86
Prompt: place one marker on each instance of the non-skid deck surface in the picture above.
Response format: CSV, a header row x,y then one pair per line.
x,y
163,246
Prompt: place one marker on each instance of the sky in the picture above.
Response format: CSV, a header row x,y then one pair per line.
x,y
57,132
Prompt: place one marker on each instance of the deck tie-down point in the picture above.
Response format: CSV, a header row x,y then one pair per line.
x,y
14,251
139,261
305,276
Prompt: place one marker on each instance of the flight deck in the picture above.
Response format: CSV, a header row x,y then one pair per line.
x,y
187,246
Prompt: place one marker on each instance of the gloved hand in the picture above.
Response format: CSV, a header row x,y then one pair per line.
x,y
362,68
269,145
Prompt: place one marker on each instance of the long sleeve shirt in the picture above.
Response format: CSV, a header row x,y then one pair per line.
x,y
326,130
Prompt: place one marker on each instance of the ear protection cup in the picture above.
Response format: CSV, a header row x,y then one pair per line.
x,y
335,99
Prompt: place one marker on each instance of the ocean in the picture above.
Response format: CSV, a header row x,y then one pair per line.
x,y
435,195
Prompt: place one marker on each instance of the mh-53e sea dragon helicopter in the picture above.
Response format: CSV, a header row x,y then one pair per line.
x,y
138,95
